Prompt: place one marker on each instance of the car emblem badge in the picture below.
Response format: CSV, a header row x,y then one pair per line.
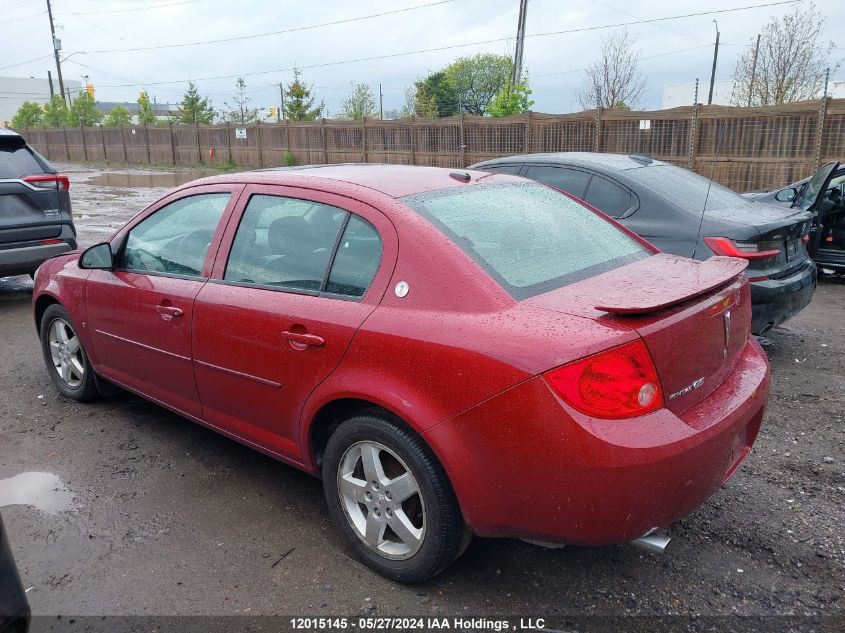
x,y
402,289
727,319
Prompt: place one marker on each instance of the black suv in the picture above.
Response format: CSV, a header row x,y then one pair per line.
x,y
35,218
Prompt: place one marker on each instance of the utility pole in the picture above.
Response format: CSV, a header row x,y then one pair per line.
x,y
50,81
282,95
380,103
695,100
57,46
753,70
826,81
516,69
715,57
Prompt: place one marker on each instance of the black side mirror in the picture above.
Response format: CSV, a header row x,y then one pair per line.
x,y
97,257
786,195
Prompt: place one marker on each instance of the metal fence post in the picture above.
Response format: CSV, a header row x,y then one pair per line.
x,y
172,145
46,141
820,132
693,133
197,134
363,139
147,143
527,143
413,142
323,137
67,146
260,151
123,141
598,130
229,141
103,141
462,146
84,148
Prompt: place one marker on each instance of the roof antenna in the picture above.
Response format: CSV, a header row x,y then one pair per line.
x,y
712,175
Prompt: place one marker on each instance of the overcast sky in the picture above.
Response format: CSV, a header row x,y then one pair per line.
x,y
673,51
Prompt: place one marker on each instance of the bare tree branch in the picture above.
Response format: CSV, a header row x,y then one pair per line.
x,y
790,64
614,80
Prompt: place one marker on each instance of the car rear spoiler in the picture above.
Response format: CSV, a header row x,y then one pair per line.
x,y
642,287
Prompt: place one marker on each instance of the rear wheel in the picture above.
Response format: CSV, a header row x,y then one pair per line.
x,y
66,360
391,499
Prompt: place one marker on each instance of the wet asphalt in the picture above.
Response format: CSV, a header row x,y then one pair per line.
x,y
121,507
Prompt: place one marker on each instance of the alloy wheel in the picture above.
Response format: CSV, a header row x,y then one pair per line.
x,y
381,499
66,353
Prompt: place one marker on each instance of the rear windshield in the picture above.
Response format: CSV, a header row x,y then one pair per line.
x,y
529,237
685,187
17,161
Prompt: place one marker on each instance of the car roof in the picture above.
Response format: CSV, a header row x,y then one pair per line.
x,y
618,162
395,181
7,132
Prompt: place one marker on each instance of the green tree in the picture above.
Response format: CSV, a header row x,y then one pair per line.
x,y
55,112
83,112
299,103
29,114
477,80
240,110
146,114
435,97
117,117
511,100
358,104
194,108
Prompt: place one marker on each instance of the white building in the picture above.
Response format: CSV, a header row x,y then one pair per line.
x,y
675,95
15,90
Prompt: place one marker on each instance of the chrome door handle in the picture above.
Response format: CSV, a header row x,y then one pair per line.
x,y
303,339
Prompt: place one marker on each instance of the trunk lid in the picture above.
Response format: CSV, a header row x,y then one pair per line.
x,y
694,317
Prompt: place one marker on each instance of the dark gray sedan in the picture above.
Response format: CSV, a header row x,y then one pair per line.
x,y
686,214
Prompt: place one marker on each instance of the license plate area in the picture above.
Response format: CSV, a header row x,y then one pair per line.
x,y
791,249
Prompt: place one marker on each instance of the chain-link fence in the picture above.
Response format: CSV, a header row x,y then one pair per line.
x,y
743,148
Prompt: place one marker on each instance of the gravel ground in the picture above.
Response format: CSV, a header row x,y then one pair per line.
x,y
167,517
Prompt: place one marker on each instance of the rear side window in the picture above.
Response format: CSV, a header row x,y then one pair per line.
x,y
530,238
284,242
17,162
608,197
570,180
357,259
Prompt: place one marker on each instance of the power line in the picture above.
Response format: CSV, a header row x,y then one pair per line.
x,y
269,33
34,59
666,54
25,17
454,46
157,6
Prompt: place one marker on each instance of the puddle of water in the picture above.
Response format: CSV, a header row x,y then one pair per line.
x,y
43,491
156,179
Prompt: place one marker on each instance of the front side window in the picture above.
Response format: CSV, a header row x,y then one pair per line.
x,y
175,239
530,238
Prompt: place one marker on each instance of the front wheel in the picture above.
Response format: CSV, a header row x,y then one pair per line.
x,y
65,357
391,499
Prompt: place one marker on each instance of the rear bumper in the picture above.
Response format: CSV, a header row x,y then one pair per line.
x,y
773,301
26,259
525,465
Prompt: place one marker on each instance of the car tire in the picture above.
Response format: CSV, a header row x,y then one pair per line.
x,y
66,360
403,520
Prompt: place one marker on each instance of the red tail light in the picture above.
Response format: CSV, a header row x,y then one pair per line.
x,y
745,250
49,181
805,239
619,383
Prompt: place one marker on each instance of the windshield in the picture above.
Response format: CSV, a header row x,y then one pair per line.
x,y
682,186
529,237
811,190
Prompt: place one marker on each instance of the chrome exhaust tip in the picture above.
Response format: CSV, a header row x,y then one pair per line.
x,y
654,543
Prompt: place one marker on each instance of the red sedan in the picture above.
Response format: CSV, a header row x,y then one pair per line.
x,y
454,353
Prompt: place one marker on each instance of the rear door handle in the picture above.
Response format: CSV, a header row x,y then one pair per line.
x,y
300,340
168,312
